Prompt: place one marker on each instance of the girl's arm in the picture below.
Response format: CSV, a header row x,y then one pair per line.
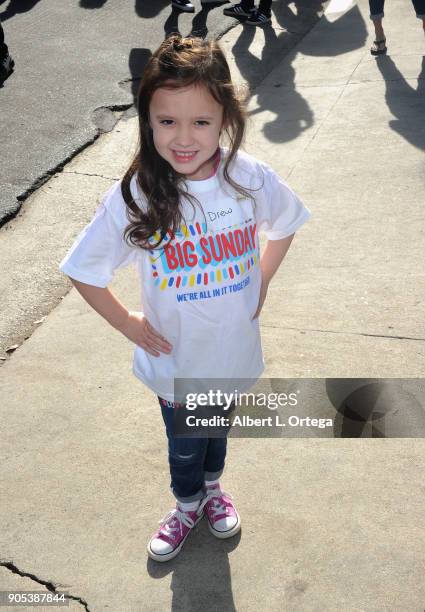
x,y
270,261
133,325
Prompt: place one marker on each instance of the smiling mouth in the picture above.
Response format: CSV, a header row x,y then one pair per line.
x,y
184,156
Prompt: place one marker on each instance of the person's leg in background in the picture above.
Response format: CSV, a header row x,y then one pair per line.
x,y
243,9
6,62
419,6
183,5
376,8
188,7
262,15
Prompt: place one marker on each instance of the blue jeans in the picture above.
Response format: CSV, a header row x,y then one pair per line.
x,y
191,460
264,6
377,8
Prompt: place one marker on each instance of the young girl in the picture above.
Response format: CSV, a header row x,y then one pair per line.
x,y
188,213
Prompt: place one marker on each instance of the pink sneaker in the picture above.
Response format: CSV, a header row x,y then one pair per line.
x,y
223,519
168,541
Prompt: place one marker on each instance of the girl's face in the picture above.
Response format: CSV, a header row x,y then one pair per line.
x,y
186,125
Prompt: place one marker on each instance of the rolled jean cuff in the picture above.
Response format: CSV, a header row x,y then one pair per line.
x,y
376,17
195,497
213,475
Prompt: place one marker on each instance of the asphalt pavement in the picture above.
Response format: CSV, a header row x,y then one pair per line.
x,y
327,523
77,62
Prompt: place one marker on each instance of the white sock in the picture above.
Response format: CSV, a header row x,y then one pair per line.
x,y
189,506
212,483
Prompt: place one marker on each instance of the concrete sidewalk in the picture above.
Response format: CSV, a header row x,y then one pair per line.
x,y
328,524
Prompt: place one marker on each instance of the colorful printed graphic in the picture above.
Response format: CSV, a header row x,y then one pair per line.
x,y
194,257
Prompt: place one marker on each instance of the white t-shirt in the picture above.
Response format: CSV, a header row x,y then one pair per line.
x,y
202,291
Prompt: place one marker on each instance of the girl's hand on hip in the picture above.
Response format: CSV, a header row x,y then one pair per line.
x,y
261,300
138,329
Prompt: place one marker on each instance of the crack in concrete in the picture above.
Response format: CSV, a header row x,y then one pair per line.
x,y
332,331
338,85
46,176
115,108
319,127
255,82
49,585
107,178
360,82
129,80
230,27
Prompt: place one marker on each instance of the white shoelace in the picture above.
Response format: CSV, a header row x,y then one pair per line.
x,y
214,494
168,523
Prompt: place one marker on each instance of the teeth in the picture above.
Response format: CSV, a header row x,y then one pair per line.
x,y
184,154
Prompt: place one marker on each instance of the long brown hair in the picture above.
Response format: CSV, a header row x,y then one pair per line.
x,y
179,62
